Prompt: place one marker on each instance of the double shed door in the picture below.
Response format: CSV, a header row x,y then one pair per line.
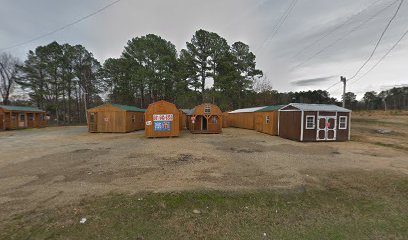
x,y
326,128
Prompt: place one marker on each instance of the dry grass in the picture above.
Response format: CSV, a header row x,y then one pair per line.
x,y
351,205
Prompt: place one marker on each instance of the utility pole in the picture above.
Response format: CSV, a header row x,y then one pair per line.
x,y
344,80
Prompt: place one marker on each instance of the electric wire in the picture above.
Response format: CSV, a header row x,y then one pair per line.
x,y
379,40
60,28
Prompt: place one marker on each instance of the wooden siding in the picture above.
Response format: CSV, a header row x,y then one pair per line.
x,y
162,107
261,124
343,134
242,120
12,120
109,119
183,120
225,120
289,125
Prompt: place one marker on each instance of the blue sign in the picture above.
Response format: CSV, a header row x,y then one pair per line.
x,y
162,126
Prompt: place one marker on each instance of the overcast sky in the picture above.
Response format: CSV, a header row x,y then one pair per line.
x,y
287,56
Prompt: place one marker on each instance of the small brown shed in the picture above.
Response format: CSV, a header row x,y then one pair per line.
x,y
162,120
183,118
266,120
225,120
115,118
205,118
17,117
243,118
314,122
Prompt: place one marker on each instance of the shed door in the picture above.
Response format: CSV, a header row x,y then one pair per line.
x,y
93,127
1,122
22,120
326,128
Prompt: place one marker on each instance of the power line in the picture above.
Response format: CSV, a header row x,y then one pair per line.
x,y
344,36
383,57
325,35
279,24
60,28
379,41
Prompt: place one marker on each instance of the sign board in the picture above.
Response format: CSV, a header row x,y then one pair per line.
x,y
148,123
163,117
162,126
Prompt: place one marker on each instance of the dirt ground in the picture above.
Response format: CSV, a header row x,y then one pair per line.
x,y
43,168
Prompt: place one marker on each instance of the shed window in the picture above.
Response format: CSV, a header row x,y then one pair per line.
x,y
31,117
310,122
343,122
207,109
41,117
133,118
214,120
13,116
22,117
267,119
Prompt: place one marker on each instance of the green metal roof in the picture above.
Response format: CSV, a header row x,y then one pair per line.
x,y
271,108
20,108
128,108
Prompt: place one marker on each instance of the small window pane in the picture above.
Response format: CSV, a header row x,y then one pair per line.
x,y
343,122
214,120
207,109
310,122
267,119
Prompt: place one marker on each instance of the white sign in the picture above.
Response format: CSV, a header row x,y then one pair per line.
x,y
148,123
162,117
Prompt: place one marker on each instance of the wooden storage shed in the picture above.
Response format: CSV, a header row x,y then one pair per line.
x,y
266,120
205,118
314,122
183,118
115,118
162,120
17,117
243,118
225,120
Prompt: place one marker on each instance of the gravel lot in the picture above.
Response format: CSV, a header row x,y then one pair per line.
x,y
43,168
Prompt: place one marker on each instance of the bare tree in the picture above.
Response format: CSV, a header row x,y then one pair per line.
x,y
8,74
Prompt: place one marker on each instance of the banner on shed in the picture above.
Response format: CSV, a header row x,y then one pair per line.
x,y
163,117
162,126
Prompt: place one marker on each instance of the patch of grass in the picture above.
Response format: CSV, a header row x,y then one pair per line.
x,y
353,205
378,122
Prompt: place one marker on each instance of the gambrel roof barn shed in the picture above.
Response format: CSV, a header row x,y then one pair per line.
x,y
205,118
314,122
162,120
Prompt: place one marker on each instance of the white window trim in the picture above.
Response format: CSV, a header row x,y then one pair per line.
x,y
267,121
314,122
345,122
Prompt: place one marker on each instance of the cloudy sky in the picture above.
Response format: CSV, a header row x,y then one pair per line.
x,y
319,40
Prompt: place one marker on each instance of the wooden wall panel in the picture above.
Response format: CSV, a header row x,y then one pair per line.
x,y
262,126
242,120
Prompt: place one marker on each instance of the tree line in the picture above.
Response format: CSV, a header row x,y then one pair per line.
x,y
65,80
